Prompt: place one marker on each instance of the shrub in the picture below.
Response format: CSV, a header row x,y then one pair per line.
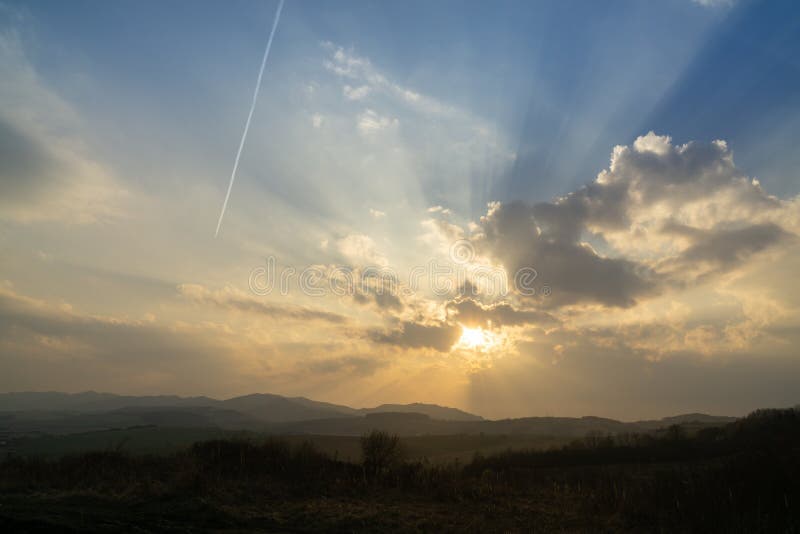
x,y
381,452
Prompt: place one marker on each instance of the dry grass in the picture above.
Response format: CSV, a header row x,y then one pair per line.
x,y
742,478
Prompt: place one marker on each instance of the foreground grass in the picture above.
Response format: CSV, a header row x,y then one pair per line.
x,y
741,478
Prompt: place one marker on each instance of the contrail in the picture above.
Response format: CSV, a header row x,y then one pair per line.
x,y
250,115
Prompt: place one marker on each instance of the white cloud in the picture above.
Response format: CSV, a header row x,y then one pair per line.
x,y
317,120
714,3
440,209
360,249
661,216
347,64
370,122
429,130
356,93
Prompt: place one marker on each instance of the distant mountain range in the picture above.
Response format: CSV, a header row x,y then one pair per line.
x,y
62,413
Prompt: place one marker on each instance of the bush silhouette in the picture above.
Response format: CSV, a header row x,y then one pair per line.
x,y
380,452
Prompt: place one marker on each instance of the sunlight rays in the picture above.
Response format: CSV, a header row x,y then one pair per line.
x,y
476,339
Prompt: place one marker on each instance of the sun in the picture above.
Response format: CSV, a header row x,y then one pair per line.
x,y
476,339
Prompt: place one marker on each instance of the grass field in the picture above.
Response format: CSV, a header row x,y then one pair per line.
x,y
162,440
744,477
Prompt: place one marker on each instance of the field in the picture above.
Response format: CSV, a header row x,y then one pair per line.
x,y
163,440
744,477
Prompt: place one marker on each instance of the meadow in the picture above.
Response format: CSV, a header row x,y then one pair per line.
x,y
743,477
167,440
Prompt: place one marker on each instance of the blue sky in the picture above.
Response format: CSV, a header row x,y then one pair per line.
x,y
566,80
383,132
563,78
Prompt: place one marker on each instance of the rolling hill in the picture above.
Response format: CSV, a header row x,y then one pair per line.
x,y
64,413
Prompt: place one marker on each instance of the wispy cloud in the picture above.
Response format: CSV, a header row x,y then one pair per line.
x,y
233,299
48,172
714,3
351,66
370,122
356,93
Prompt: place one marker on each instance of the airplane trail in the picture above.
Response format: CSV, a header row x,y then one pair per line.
x,y
249,115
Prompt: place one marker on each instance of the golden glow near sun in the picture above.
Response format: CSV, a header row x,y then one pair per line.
x,y
476,339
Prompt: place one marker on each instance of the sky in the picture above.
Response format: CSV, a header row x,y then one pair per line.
x,y
513,208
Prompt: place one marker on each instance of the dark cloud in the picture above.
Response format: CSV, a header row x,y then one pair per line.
x,y
565,219
439,337
574,272
726,247
474,314
720,249
384,300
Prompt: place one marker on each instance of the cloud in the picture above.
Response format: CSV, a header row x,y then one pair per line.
x,y
381,297
47,174
473,138
370,122
412,335
407,134
654,181
661,215
360,249
473,314
232,299
439,209
719,250
45,345
52,346
376,214
346,365
347,64
356,93
574,271
593,377
714,3
367,284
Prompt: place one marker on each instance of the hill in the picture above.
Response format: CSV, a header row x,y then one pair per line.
x,y
56,412
431,410
63,413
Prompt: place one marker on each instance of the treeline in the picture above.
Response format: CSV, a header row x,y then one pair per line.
x,y
742,477
761,432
